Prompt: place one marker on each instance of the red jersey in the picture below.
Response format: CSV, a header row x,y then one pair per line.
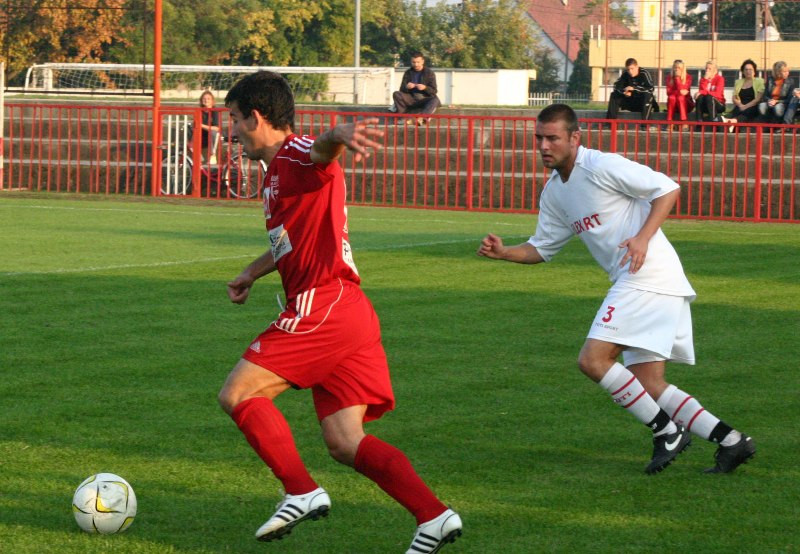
x,y
306,219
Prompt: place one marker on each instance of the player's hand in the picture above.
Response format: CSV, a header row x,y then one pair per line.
x,y
636,252
358,136
239,288
491,247
410,86
421,87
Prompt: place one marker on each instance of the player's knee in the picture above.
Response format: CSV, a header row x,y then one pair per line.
x,y
592,366
227,399
341,449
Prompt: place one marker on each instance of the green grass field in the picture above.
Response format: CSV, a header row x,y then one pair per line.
x,y
116,334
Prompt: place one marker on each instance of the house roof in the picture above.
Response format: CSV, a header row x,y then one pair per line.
x,y
553,17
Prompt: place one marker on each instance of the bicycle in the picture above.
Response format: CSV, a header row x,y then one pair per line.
x,y
235,175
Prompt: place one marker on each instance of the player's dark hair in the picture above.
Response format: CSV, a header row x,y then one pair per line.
x,y
268,93
748,61
560,112
631,61
417,55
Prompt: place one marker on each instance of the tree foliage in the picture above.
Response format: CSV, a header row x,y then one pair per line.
x,y
473,34
735,20
39,31
580,81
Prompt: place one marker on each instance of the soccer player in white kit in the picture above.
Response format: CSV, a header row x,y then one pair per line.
x,y
616,207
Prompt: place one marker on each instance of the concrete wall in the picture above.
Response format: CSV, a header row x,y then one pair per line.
x,y
490,87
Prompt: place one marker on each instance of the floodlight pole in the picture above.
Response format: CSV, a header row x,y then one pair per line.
x,y
155,153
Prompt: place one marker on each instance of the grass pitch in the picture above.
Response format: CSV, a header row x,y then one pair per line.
x,y
117,334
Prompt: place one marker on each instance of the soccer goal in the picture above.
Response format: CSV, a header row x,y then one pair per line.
x,y
325,85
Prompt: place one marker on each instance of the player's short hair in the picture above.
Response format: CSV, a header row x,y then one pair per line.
x,y
268,93
560,112
416,55
631,61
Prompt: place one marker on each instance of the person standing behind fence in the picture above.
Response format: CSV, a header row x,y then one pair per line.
x,y
747,93
710,96
679,87
417,92
777,94
209,126
633,91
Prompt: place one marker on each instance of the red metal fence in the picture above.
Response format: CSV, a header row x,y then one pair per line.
x,y
452,162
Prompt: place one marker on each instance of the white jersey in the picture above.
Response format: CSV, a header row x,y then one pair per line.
x,y
606,201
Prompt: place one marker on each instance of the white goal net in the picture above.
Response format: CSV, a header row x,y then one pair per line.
x,y
346,85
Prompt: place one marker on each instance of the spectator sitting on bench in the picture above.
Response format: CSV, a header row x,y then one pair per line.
x,y
792,108
747,93
710,97
417,92
633,91
777,94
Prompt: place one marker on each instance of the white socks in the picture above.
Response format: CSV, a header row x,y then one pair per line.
x,y
685,410
628,392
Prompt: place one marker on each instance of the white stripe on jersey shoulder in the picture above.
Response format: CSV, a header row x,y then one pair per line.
x,y
305,140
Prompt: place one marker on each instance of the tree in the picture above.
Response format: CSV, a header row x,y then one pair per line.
x,y
735,20
580,82
39,31
547,74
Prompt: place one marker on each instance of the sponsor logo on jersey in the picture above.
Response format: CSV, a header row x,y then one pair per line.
x,y
586,223
270,195
279,242
256,347
347,256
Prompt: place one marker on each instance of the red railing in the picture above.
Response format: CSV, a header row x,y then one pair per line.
x,y
455,162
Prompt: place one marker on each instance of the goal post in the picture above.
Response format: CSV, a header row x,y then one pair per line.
x,y
324,85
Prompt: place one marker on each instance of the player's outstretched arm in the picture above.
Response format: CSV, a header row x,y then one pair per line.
x,y
239,287
492,247
357,136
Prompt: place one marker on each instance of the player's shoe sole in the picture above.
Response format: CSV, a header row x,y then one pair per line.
x,y
729,458
294,509
666,448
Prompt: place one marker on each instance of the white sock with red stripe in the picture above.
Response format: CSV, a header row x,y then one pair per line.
x,y
628,392
683,409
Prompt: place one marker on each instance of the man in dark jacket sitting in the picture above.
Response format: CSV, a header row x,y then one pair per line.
x,y
633,91
417,92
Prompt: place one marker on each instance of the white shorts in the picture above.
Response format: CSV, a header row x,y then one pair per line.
x,y
653,326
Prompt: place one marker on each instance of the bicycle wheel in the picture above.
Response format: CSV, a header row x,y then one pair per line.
x,y
240,180
176,175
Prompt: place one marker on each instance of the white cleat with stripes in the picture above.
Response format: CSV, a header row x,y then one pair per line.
x,y
292,510
434,534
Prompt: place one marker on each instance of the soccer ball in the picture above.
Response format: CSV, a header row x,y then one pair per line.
x,y
104,503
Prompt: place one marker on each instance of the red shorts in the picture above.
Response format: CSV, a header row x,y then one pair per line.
x,y
329,339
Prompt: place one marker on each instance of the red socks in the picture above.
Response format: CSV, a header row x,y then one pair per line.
x,y
392,472
268,433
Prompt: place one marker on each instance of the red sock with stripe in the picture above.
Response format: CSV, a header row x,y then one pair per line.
x,y
687,411
390,469
628,392
270,436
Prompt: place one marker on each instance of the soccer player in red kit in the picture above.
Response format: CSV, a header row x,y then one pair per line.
x,y
328,336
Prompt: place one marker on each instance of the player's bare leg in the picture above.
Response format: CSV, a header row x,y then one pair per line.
x,y
391,470
598,361
247,397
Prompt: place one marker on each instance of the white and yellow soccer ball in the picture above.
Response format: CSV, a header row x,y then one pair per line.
x,y
104,503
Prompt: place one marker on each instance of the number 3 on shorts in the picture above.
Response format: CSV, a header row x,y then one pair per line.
x,y
608,314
